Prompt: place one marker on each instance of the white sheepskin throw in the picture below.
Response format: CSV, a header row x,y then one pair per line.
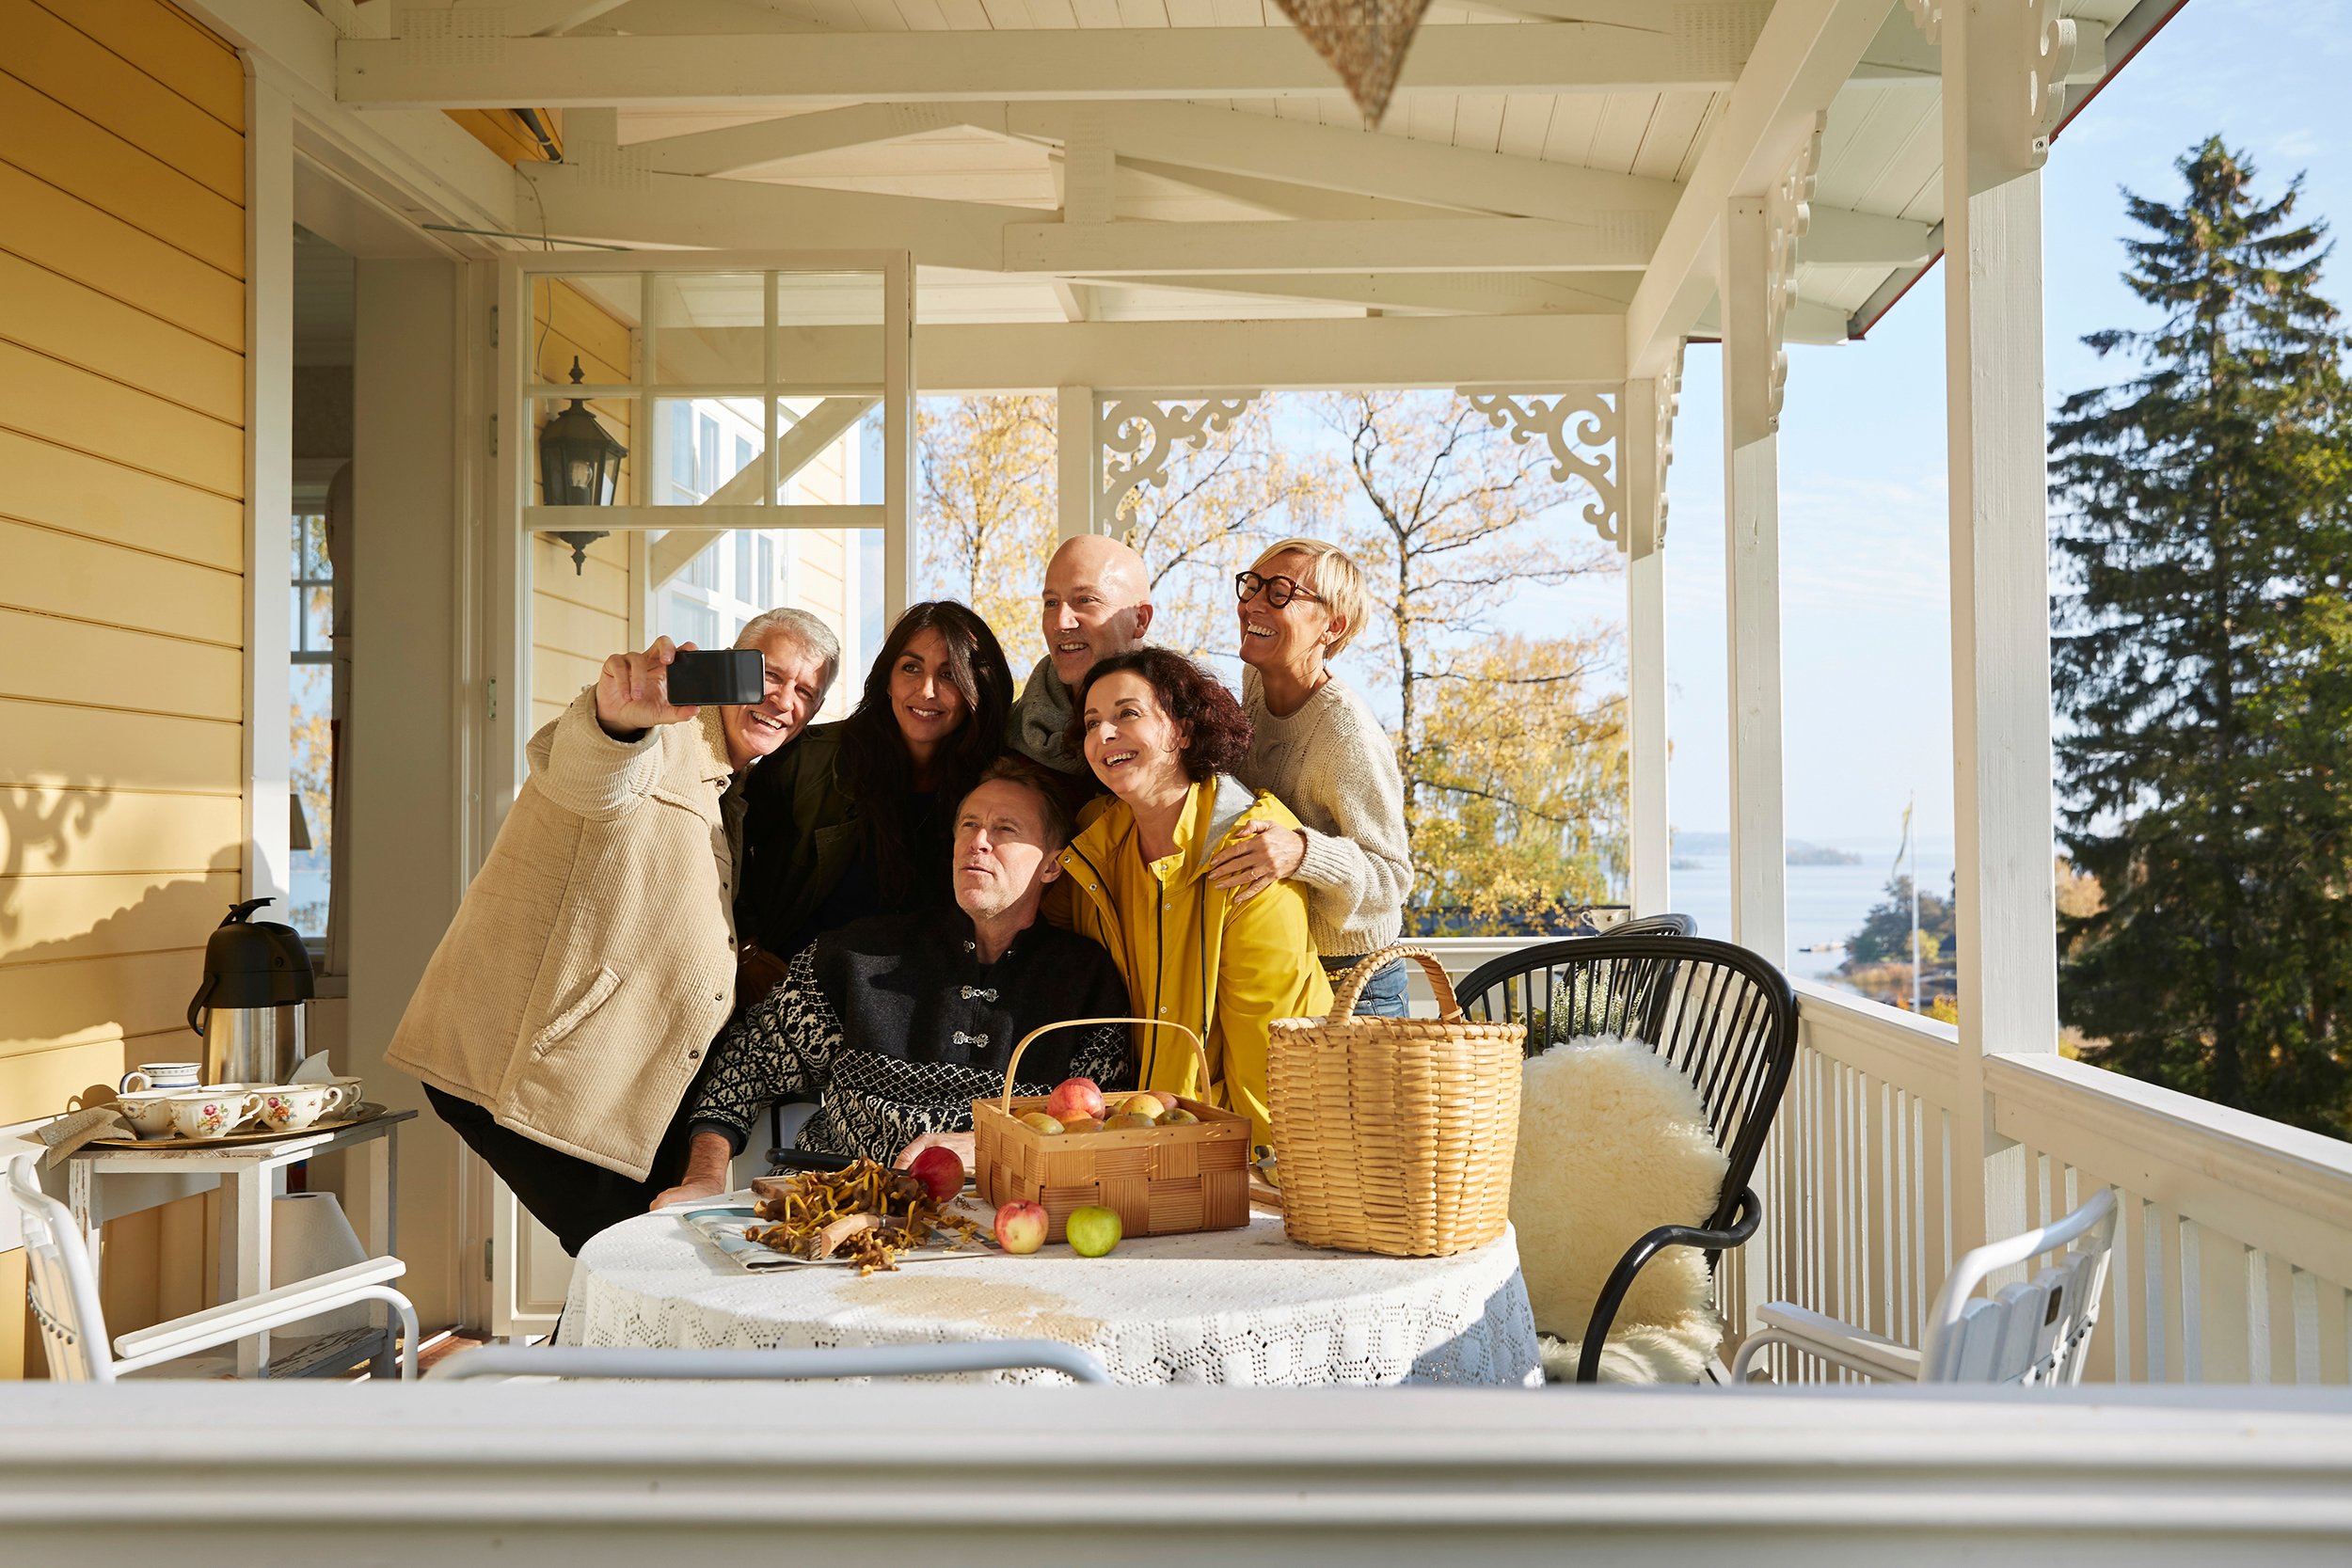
x,y
1613,1143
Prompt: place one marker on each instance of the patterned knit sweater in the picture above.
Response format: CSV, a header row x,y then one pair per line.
x,y
893,1026
1331,764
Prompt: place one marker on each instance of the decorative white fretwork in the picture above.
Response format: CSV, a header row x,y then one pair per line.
x,y
1929,14
1669,394
1584,429
2050,54
1788,213
1140,435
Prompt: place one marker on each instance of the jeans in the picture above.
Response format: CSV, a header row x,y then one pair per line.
x,y
1383,996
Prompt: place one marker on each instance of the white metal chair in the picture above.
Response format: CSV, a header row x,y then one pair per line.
x,y
2032,1334
63,1291
599,1361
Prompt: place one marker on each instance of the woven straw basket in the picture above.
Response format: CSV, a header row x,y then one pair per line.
x,y
1394,1136
1162,1180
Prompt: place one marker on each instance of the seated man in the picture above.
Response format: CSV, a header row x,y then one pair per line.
x,y
895,1024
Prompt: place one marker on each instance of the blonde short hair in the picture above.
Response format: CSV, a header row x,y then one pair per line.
x,y
1335,579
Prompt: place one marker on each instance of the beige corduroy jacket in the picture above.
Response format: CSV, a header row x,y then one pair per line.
x,y
594,956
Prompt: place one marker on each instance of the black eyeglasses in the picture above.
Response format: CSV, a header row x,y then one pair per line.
x,y
1278,590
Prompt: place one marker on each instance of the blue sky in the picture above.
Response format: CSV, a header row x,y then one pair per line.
x,y
1867,664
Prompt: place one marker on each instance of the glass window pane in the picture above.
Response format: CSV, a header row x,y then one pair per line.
x,y
588,464
691,621
592,318
829,337
764,580
710,450
707,329
744,587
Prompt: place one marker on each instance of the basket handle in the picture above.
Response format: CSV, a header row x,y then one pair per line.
x,y
1352,984
1004,1102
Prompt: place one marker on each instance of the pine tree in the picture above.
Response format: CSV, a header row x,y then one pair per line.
x,y
2203,661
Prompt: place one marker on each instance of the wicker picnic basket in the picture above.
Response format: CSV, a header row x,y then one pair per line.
x,y
1394,1136
1161,1180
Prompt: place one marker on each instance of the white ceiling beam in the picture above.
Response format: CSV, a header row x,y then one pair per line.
x,y
1806,51
1314,246
1388,351
1364,162
1840,236
1477,294
1107,63
584,201
503,18
736,148
1279,197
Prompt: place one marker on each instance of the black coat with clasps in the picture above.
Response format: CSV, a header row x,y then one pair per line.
x,y
893,1026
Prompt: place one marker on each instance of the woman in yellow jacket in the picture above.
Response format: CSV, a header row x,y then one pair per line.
x,y
1161,733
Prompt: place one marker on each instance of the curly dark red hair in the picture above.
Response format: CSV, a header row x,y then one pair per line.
x,y
1188,694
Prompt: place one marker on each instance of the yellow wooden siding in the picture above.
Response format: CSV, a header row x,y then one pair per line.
x,y
51,743
122,388
56,230
51,142
68,407
91,79
75,493
577,618
52,314
166,45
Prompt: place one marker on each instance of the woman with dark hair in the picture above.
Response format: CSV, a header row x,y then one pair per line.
x,y
856,818
1163,736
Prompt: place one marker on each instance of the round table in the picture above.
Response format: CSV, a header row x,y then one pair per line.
x,y
1243,1306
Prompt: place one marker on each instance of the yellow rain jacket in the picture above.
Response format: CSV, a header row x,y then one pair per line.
x,y
1188,952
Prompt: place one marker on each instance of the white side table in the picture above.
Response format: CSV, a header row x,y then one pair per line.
x,y
248,1172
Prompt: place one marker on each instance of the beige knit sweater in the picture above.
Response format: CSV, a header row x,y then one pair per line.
x,y
1331,764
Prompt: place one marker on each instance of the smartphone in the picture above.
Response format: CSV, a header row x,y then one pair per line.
x,y
730,675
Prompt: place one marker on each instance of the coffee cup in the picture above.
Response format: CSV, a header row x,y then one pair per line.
x,y
160,1075
291,1107
215,1112
148,1111
346,1101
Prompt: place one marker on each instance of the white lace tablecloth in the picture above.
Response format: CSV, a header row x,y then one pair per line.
x,y
1235,1307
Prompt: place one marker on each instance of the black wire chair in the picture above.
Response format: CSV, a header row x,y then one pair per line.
x,y
1725,1018
1655,926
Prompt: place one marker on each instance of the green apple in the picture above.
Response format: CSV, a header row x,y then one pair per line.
x,y
1093,1230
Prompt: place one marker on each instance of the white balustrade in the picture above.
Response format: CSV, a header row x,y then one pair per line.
x,y
2236,1240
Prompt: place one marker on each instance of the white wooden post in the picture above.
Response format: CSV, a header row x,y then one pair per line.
x,y
1649,845
1759,919
1998,106
901,548
1078,460
269,483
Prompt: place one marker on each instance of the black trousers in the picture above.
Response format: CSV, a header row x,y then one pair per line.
x,y
569,1196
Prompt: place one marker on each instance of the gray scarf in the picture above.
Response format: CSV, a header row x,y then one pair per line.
x,y
1038,727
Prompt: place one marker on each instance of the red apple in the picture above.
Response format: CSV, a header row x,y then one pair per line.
x,y
1076,1100
940,1170
1021,1228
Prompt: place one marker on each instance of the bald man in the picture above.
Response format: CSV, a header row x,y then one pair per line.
x,y
1097,602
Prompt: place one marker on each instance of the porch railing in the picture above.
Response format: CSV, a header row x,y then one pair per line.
x,y
2231,1263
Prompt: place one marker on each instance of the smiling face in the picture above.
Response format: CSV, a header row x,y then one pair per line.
x,y
1096,603
795,690
1005,853
1131,744
923,695
1294,635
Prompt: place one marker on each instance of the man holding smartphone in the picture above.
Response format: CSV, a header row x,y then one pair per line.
x,y
566,1010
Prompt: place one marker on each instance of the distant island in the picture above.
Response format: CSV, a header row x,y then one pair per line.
x,y
1799,851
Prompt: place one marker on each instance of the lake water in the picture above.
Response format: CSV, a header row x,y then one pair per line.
x,y
1826,903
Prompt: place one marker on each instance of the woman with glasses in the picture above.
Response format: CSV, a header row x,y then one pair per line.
x,y
1316,746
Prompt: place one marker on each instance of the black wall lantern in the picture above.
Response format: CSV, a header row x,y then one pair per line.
x,y
579,466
